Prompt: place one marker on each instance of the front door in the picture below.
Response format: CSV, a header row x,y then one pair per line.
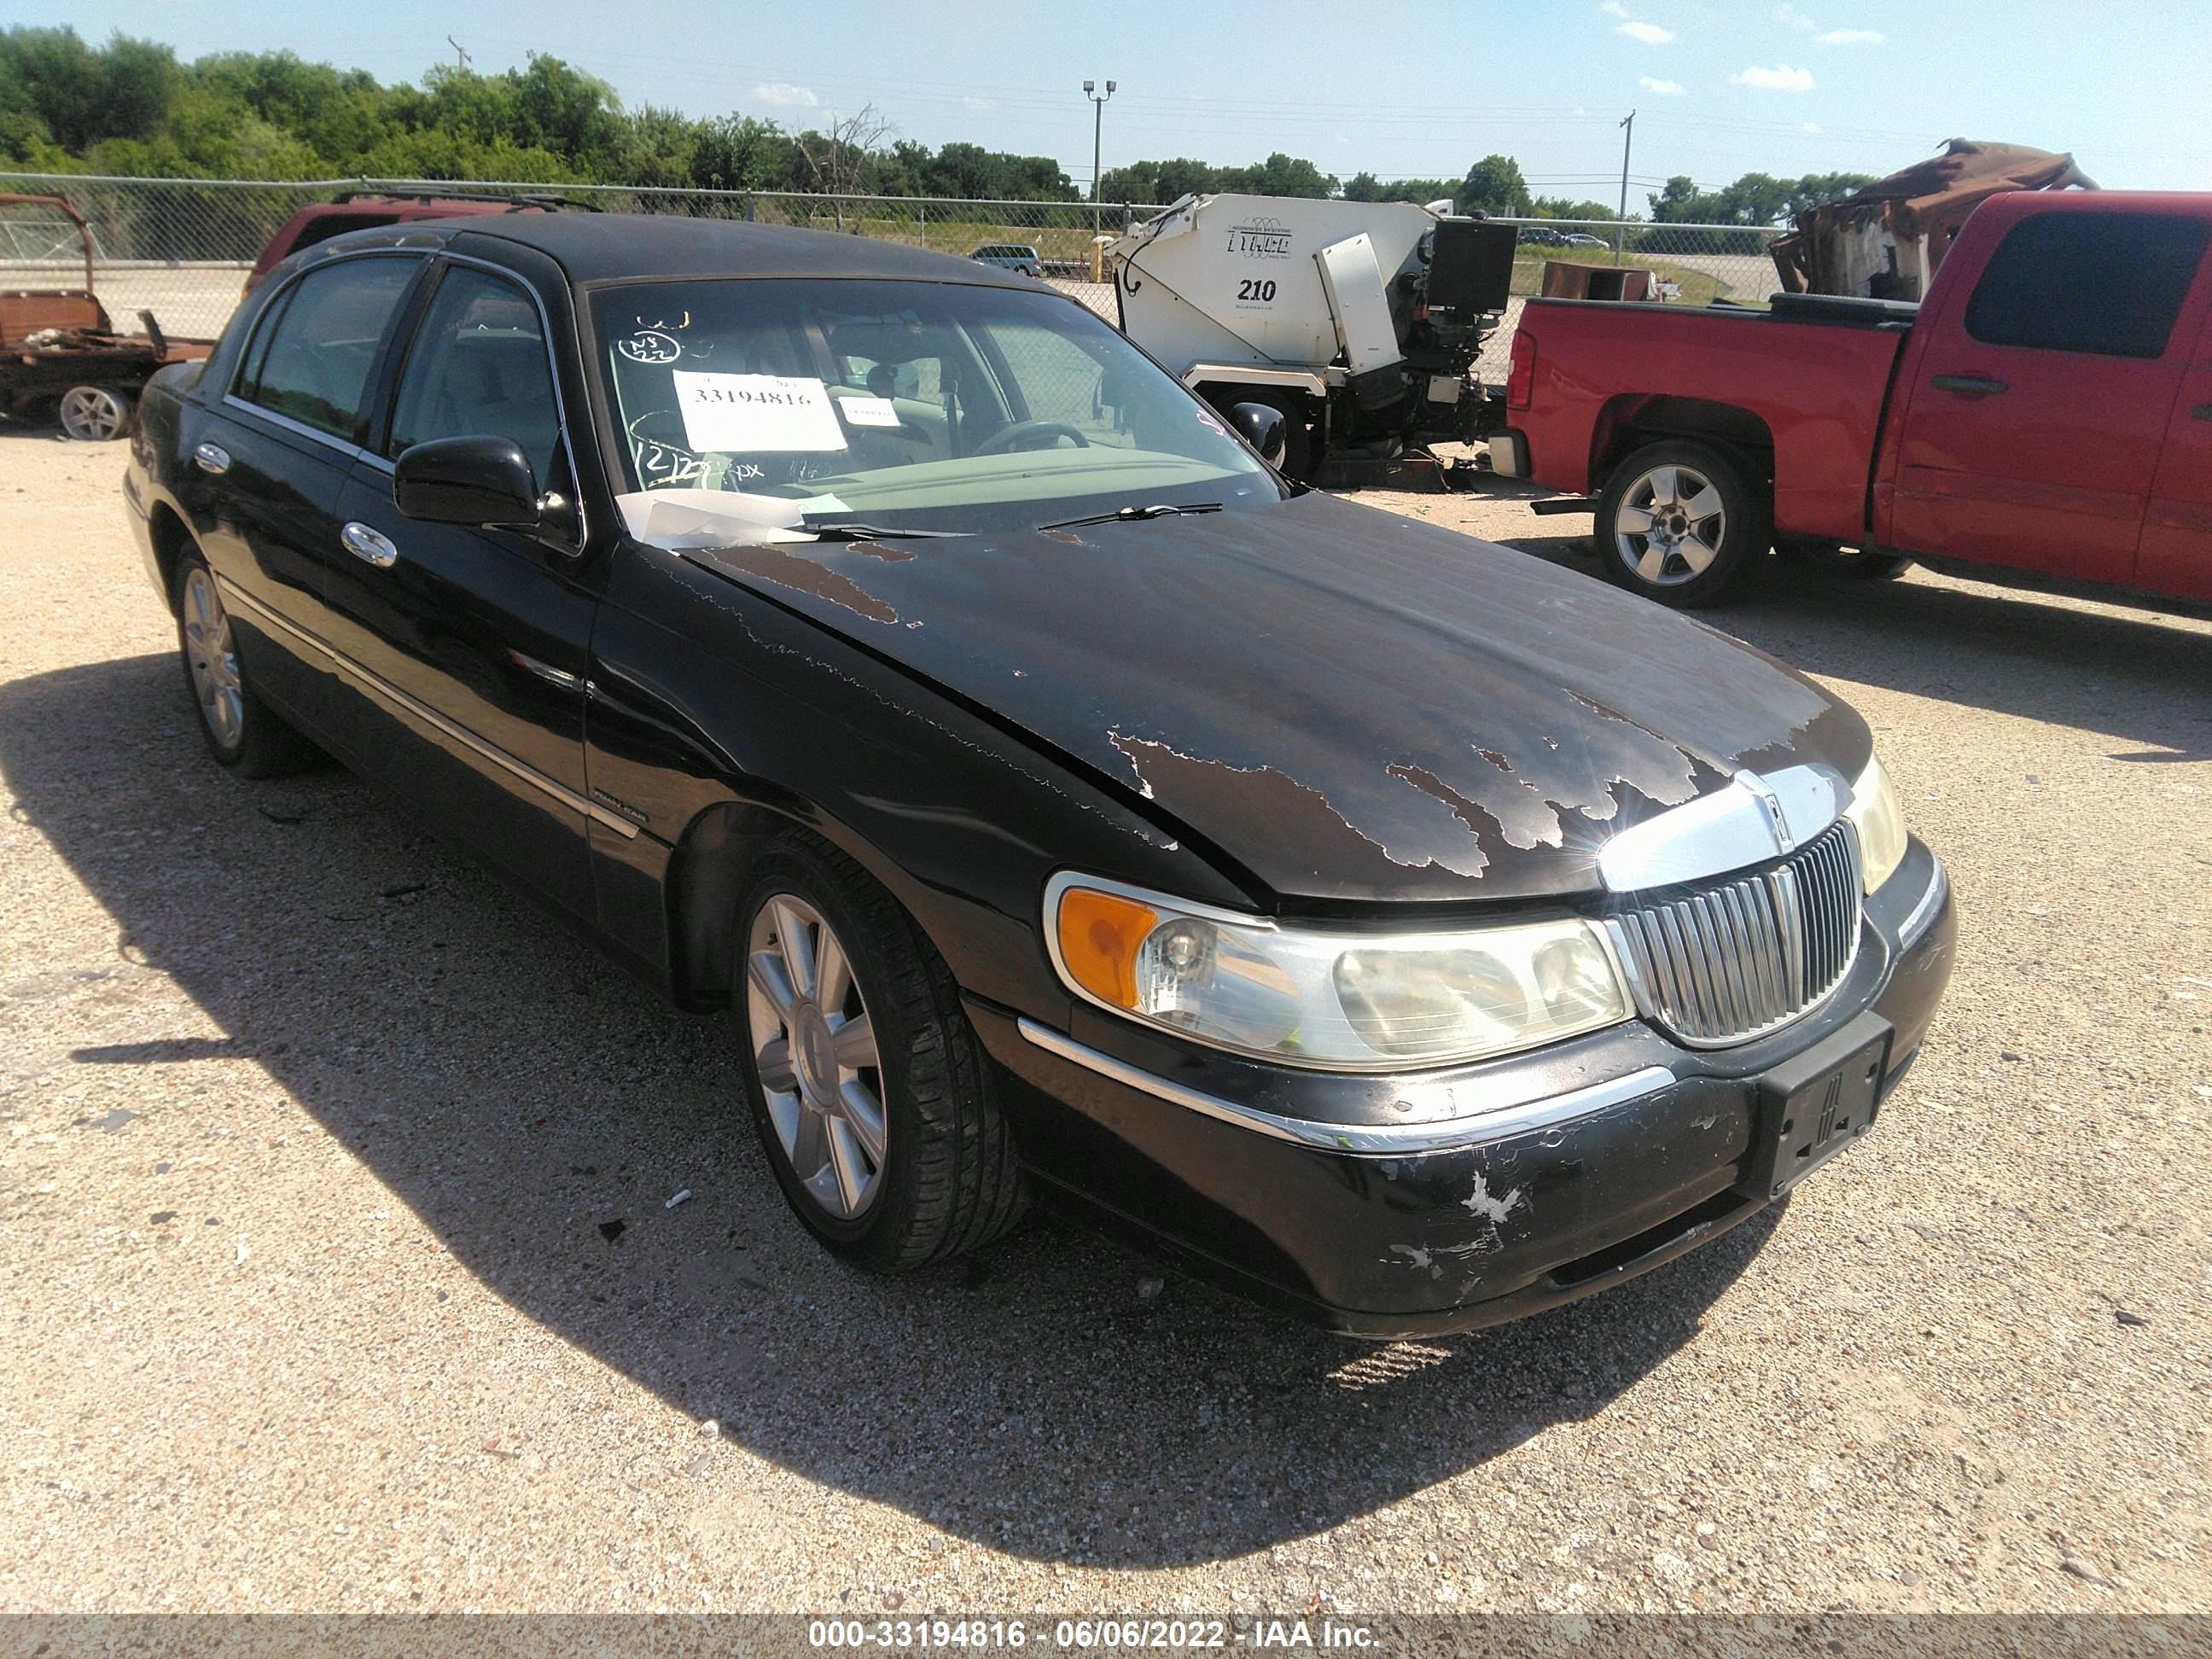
x,y
471,645
2177,539
2038,400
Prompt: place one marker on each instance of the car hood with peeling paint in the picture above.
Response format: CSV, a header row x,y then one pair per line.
x,y
1336,704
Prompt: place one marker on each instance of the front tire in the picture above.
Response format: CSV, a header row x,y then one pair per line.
x,y
1682,523
868,1087
242,732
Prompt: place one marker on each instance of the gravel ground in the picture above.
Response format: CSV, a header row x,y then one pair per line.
x,y
314,1135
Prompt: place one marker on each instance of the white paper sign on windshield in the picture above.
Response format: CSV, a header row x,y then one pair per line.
x,y
750,414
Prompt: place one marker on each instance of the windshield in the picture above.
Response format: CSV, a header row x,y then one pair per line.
x,y
901,404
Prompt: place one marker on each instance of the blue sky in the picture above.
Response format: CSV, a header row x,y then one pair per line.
x,y
1722,87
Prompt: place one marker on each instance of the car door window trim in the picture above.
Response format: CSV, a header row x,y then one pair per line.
x,y
376,683
264,331
266,328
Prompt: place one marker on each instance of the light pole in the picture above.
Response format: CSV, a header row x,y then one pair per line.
x,y
1628,138
1097,127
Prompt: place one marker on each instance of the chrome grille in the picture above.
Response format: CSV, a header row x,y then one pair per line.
x,y
1728,960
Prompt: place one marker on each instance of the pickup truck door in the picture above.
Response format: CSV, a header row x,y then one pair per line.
x,y
2176,538
2038,389
265,463
469,646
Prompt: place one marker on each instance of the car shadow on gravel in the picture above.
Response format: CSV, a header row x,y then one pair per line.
x,y
2136,676
537,1110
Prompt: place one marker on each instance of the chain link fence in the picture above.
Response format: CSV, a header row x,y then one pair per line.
x,y
181,248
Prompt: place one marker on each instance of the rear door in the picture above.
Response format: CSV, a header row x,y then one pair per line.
x,y
267,467
2176,538
2041,386
471,644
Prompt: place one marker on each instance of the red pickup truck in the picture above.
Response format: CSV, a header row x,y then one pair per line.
x,y
2043,417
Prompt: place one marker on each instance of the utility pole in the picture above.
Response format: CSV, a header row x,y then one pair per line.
x,y
460,54
1097,128
1621,236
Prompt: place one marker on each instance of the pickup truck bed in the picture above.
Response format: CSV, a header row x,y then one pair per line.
x,y
2046,414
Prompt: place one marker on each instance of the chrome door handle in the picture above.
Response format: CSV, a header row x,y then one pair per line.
x,y
372,545
211,458
1977,384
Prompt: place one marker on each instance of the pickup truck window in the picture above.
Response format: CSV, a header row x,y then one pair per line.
x,y
478,368
320,343
2109,283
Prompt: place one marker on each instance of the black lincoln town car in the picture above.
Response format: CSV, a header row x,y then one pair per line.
x,y
876,645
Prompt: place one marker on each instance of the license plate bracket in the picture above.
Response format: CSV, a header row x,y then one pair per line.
x,y
1815,1104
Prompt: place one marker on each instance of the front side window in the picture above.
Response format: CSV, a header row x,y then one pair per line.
x,y
900,404
478,368
2109,283
318,348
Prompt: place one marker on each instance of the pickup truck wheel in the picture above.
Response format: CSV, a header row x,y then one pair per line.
x,y
867,1085
94,414
242,732
1679,522
1852,563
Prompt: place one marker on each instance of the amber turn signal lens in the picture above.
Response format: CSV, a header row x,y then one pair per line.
x,y
1099,936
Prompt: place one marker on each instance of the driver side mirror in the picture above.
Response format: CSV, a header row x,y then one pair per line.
x,y
477,481
1264,428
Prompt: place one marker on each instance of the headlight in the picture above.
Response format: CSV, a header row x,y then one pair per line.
x,y
1336,1001
1881,822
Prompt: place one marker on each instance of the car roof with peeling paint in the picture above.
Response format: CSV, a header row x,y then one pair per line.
x,y
604,247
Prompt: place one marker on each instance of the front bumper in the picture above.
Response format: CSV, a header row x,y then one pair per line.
x,y
1404,1206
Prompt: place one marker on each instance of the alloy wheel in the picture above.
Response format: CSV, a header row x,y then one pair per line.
x,y
93,414
212,658
1670,525
814,1049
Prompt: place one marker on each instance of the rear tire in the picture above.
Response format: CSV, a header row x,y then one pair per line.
x,y
869,1089
1682,523
1856,564
96,413
241,730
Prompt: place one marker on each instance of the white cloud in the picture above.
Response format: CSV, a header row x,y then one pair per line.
x,y
1814,126
1786,13
1649,34
1664,88
786,95
1614,9
1850,38
971,102
1780,78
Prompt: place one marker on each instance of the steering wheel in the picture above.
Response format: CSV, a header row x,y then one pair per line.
x,y
1004,439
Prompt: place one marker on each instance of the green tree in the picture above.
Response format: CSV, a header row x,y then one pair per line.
x,y
1494,185
1279,175
1366,187
1818,189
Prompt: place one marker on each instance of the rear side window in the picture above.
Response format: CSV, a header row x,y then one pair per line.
x,y
318,347
2109,283
478,369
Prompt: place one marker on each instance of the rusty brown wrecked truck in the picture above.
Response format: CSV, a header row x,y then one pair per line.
x,y
60,352
875,646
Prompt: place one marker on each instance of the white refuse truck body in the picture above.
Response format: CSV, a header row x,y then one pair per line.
x,y
1360,321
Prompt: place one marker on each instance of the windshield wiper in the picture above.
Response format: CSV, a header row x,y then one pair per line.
x,y
1124,513
872,532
